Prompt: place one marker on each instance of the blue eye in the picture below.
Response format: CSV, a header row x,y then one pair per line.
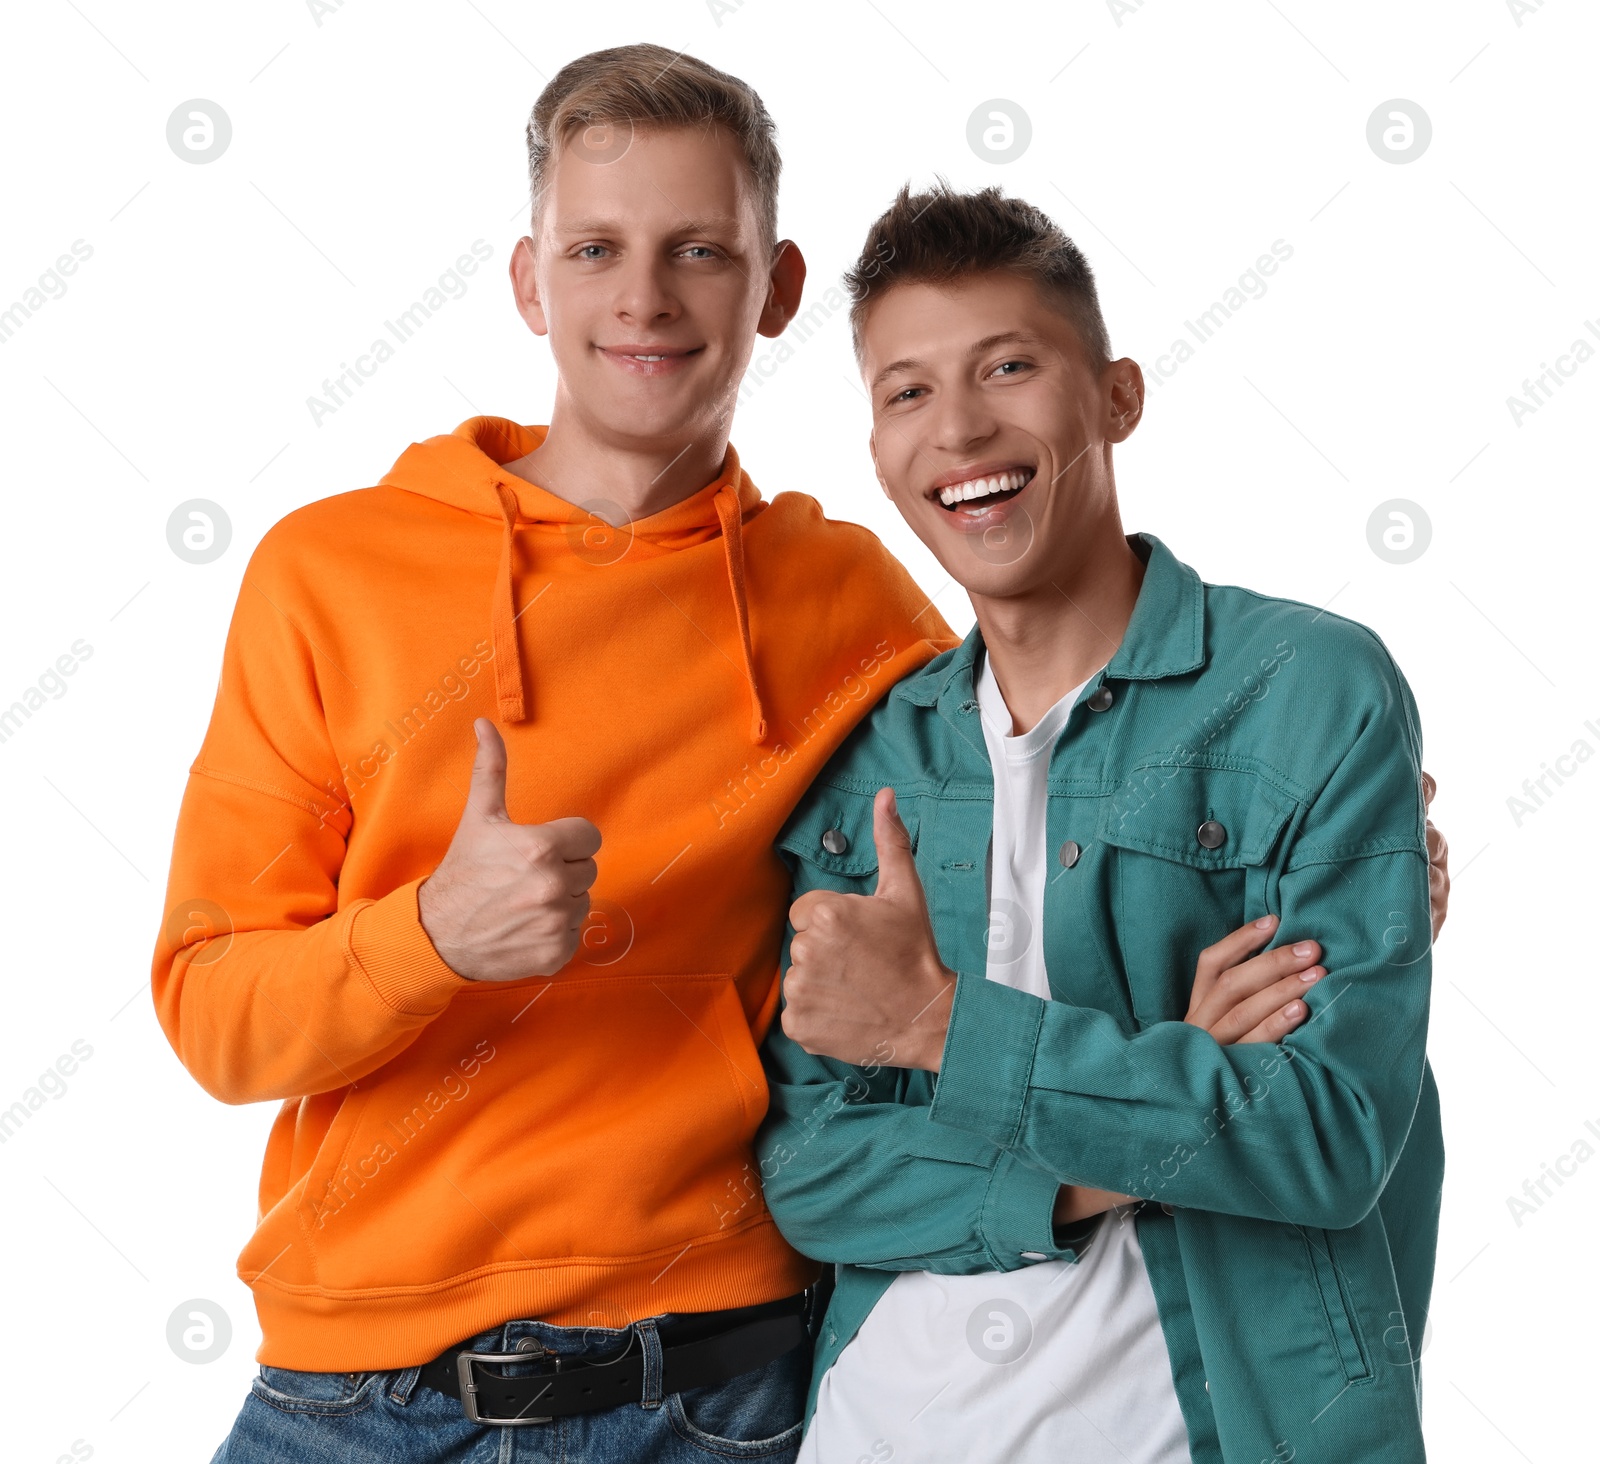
x,y
591,251
1011,368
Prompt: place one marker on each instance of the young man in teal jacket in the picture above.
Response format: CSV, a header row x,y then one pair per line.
x,y
1068,1222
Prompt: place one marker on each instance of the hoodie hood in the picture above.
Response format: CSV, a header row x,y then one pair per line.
x,y
465,469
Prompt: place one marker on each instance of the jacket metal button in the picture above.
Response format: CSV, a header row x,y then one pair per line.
x,y
1211,834
834,841
1101,700
1032,1255
1166,1209
1069,853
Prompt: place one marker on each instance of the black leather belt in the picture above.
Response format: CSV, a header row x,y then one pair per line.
x,y
698,1350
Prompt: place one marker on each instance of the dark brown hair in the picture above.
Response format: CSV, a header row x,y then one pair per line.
x,y
943,235
650,86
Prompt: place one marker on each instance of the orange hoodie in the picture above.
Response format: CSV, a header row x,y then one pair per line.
x,y
451,1154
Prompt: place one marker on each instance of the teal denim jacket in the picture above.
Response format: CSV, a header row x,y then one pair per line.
x,y
1292,1190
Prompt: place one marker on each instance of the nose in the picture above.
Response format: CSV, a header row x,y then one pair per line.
x,y
643,297
961,421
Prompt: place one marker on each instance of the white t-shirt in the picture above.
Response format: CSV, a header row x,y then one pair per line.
x,y
1056,1362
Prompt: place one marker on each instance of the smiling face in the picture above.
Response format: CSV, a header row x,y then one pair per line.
x,y
991,430
651,277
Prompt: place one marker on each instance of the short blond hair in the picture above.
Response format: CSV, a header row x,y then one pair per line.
x,y
649,86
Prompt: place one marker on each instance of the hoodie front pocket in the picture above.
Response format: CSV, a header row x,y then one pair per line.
x,y
589,1119
328,1180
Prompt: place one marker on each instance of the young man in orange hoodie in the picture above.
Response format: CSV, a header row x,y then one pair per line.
x,y
518,1067
365,910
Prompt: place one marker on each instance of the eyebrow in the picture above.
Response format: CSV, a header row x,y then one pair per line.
x,y
977,348
705,224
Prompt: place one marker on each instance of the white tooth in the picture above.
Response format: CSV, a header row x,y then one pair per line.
x,y
970,490
947,496
991,485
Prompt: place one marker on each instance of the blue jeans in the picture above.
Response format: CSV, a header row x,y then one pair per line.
x,y
387,1418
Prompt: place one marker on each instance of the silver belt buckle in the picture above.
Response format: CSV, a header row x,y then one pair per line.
x,y
469,1385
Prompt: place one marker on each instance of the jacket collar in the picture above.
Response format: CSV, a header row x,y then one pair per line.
x,y
1165,637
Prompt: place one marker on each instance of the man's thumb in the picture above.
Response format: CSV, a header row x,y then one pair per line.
x,y
486,796
897,870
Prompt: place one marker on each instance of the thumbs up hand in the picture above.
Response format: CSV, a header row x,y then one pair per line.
x,y
865,972
507,899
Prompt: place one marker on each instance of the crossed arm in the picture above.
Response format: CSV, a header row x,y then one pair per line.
x,y
855,1173
1042,1112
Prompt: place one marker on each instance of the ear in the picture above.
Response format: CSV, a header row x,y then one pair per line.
x,y
785,282
1124,383
525,286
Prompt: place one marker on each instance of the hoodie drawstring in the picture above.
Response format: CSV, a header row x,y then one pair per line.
x,y
512,705
510,694
731,514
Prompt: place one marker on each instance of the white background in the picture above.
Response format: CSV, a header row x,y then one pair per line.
x,y
372,149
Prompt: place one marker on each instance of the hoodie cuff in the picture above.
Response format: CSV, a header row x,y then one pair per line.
x,y
387,941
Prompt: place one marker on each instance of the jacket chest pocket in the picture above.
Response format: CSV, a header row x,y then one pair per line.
x,y
828,841
828,844
1191,860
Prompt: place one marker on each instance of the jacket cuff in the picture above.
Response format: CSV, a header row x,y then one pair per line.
x,y
1017,1226
387,941
988,1058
